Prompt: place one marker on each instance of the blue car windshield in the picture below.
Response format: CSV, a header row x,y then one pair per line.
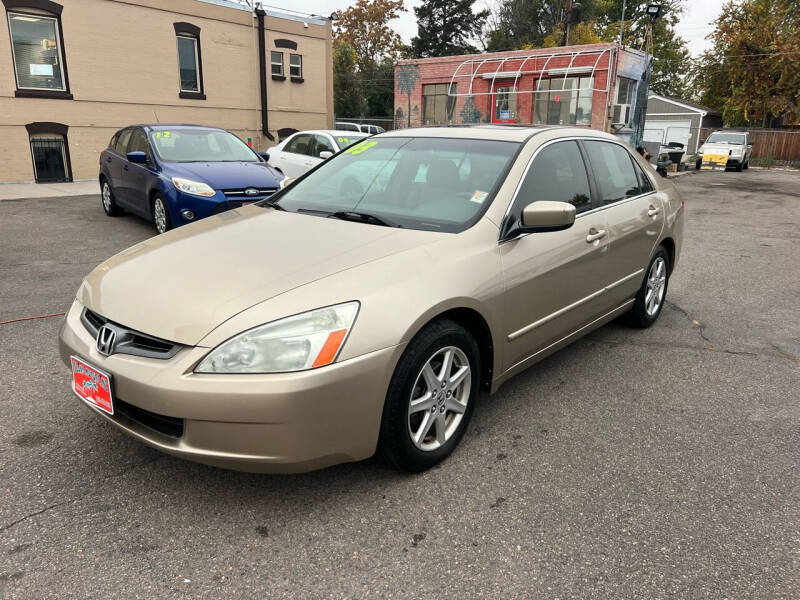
x,y
200,145
435,184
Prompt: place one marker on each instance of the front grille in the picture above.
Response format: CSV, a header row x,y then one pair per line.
x,y
239,192
168,426
130,341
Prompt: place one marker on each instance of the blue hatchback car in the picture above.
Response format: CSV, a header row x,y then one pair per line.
x,y
177,174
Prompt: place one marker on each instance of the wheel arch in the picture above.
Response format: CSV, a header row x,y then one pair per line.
x,y
669,245
473,320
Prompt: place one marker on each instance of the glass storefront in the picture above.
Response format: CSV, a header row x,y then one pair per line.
x,y
564,101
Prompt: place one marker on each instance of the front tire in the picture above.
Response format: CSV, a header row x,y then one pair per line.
x,y
431,397
652,295
108,199
161,214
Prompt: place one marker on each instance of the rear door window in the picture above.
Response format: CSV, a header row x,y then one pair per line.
x,y
613,171
558,173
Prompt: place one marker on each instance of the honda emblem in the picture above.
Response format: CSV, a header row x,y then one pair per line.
x,y
106,338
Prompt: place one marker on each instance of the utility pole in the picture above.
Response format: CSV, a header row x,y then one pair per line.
x,y
622,23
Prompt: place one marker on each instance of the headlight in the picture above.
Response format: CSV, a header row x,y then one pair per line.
x,y
305,341
196,188
736,151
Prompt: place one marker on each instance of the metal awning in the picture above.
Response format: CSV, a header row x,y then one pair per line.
x,y
492,68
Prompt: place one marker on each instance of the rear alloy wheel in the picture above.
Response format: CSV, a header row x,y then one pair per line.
x,y
431,397
161,215
109,202
652,295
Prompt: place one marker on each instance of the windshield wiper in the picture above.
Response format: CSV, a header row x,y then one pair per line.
x,y
274,204
361,217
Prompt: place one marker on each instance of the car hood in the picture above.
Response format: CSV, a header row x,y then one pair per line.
x,y
713,148
227,175
181,285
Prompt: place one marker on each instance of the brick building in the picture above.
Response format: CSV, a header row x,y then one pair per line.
x,y
72,73
603,86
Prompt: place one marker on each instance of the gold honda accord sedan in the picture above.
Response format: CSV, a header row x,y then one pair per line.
x,y
361,309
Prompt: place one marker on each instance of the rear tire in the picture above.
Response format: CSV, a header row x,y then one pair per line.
x,y
652,296
431,397
108,200
747,165
160,212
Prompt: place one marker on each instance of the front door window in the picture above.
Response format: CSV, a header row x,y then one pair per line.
x,y
504,97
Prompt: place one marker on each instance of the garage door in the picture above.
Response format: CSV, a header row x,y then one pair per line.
x,y
669,131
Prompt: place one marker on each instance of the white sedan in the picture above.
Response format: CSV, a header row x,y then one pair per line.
x,y
302,151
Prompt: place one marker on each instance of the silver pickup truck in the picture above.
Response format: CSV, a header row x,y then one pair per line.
x,y
738,145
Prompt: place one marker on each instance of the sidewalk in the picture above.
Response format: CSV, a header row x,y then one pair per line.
x,y
13,191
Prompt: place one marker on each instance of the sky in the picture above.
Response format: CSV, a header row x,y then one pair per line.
x,y
695,23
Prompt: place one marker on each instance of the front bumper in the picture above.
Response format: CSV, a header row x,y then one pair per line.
x,y
285,422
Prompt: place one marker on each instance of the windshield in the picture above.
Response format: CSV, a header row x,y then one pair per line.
x,y
344,141
200,145
725,138
434,184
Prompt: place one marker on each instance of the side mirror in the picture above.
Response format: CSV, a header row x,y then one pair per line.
x,y
546,215
286,181
264,155
325,154
137,156
750,143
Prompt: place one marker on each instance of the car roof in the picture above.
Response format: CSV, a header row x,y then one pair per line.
x,y
508,133
161,126
341,132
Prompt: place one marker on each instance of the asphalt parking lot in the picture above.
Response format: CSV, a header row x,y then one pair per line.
x,y
648,464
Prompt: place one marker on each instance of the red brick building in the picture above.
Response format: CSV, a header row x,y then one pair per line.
x,y
596,85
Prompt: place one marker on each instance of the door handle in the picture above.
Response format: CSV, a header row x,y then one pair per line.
x,y
108,159
653,211
125,168
595,234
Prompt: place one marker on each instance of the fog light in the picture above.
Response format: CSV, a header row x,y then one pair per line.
x,y
187,214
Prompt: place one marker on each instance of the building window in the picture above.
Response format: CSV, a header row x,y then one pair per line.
x,y
437,103
190,61
187,63
38,53
50,152
276,64
564,101
296,66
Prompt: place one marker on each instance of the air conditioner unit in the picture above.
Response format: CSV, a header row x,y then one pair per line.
x,y
620,114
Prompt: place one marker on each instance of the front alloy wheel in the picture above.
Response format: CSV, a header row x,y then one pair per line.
x,y
439,398
431,397
160,215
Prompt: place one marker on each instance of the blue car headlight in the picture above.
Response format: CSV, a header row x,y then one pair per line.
x,y
195,188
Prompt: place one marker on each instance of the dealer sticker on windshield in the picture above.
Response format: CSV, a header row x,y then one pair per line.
x,y
479,196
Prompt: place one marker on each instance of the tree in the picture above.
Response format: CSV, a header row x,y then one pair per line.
x,y
347,89
538,23
365,26
365,48
446,28
752,73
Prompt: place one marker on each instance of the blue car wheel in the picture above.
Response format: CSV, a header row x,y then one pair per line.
x,y
161,214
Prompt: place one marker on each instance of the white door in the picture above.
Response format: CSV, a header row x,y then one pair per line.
x,y
295,157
